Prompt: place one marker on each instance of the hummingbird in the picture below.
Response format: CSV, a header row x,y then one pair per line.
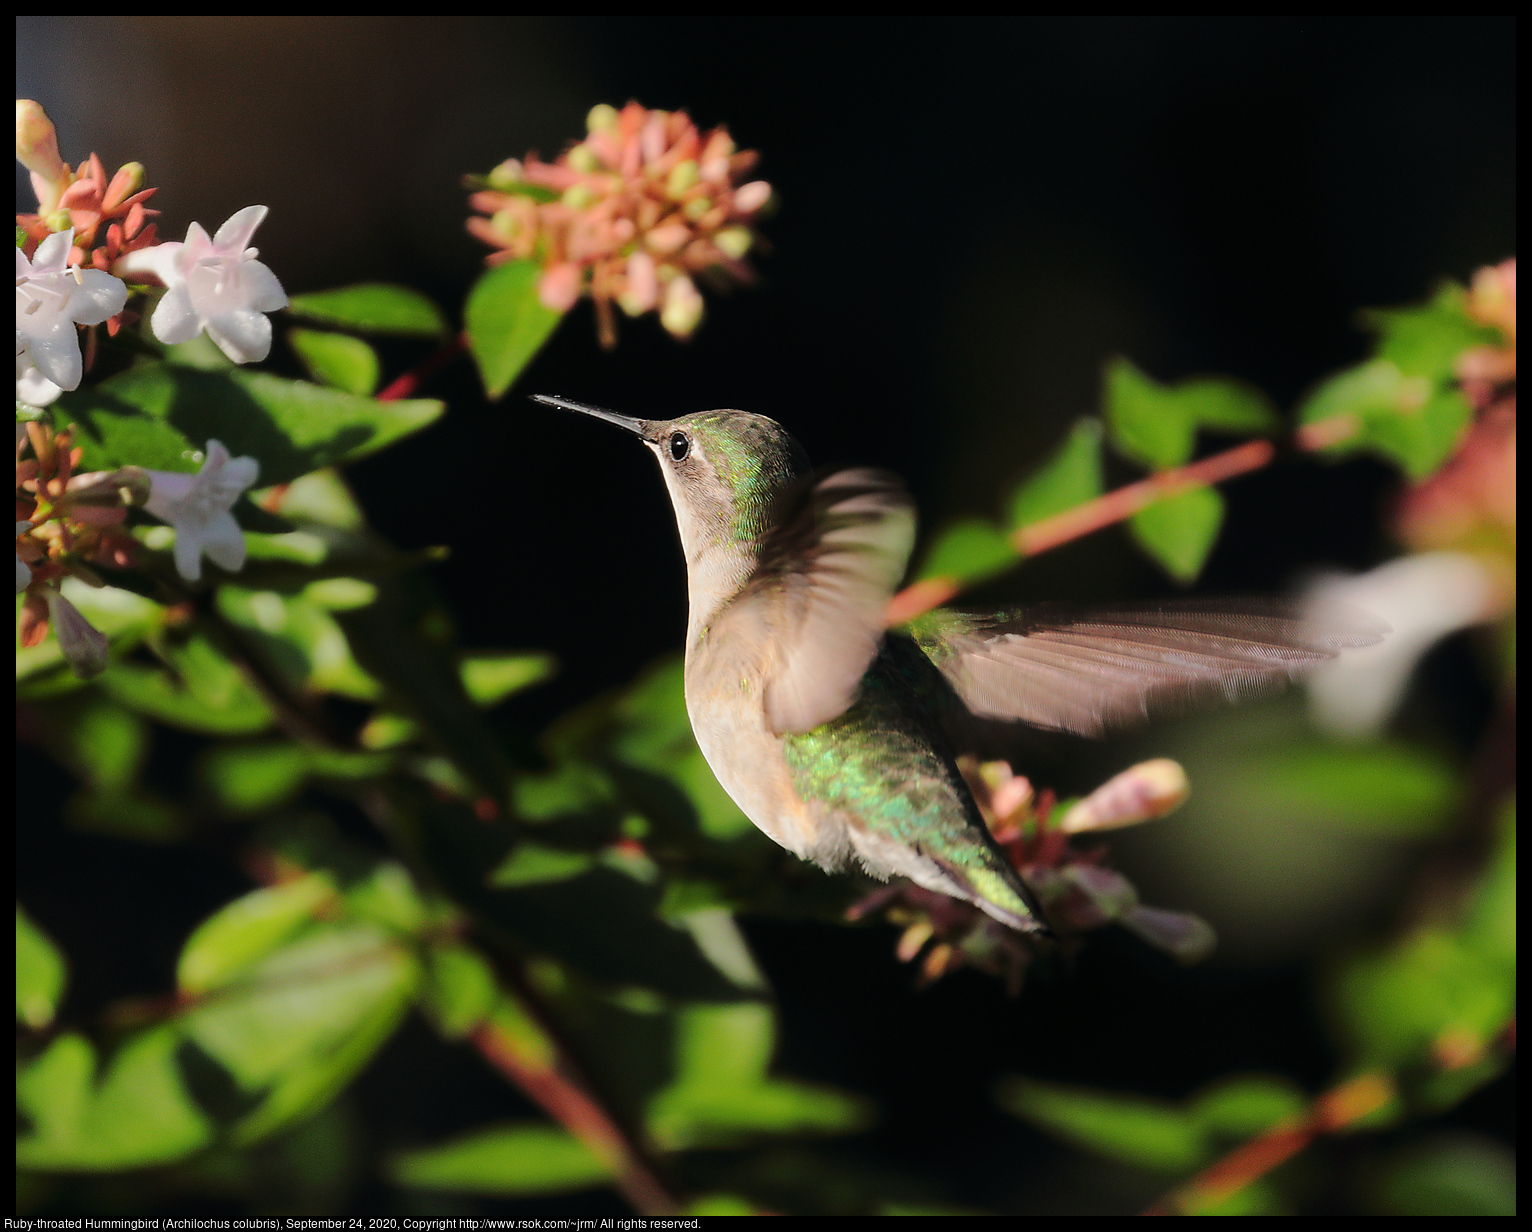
x,y
837,736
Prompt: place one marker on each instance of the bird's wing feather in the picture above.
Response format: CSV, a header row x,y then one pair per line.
x,y
1086,669
826,572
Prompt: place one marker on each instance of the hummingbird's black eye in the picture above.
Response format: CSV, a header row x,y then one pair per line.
x,y
680,446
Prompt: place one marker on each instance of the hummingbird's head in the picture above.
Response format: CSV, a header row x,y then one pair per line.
x,y
724,470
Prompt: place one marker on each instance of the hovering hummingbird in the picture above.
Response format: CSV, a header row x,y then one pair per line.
x,y
837,736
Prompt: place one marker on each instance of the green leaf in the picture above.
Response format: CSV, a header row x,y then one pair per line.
x,y
1068,479
338,360
968,550
1451,1173
1491,923
1396,1003
532,864
229,943
388,896
507,323
1407,418
250,778
302,1021
1239,1108
159,415
1383,788
394,642
1226,405
373,308
300,640
1157,424
721,1093
490,676
506,1160
1427,339
1131,1129
459,989
208,693
1147,422
40,973
139,1115
1179,531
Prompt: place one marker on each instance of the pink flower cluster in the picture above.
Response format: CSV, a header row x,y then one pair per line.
x,y
630,216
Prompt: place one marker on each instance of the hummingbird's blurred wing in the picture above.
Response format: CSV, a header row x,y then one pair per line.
x,y
1086,669
825,574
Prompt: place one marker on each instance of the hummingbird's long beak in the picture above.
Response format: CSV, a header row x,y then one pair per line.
x,y
635,426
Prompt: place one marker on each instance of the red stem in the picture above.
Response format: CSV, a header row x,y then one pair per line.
x,y
920,597
407,383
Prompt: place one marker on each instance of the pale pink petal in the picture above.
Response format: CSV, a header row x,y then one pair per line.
x,y
245,337
57,355
98,297
234,236
262,290
175,320
188,551
224,543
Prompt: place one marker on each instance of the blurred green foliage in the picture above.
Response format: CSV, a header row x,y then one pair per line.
x,y
568,910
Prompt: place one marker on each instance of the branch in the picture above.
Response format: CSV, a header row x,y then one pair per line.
x,y
1347,1104
1029,540
530,1059
406,384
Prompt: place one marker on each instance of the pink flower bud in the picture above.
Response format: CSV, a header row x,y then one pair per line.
x,y
751,196
559,287
1140,793
37,149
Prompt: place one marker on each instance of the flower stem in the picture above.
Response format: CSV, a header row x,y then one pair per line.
x,y
407,383
1345,1105
548,1083
922,596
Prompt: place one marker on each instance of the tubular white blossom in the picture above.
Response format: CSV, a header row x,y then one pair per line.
x,y
1424,598
50,301
215,285
198,507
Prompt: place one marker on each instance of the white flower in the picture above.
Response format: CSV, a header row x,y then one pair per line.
x,y
50,301
23,571
217,285
32,387
1423,598
198,507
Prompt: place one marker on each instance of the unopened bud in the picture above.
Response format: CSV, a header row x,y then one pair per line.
x,y
697,207
128,486
682,312
583,158
734,241
600,118
37,149
1109,892
84,646
578,197
506,175
129,179
1185,937
682,176
752,196
1140,793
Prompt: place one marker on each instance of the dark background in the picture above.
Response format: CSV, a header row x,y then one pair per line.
x,y
973,216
